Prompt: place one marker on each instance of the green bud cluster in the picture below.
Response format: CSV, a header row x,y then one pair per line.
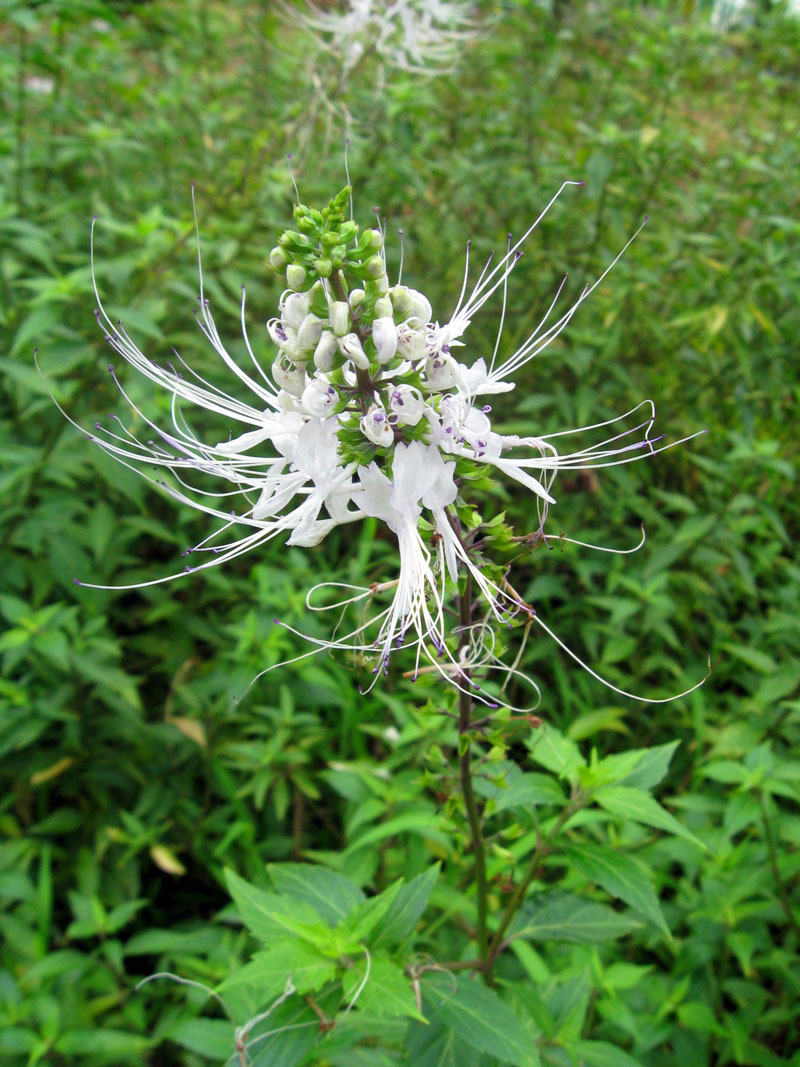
x,y
326,242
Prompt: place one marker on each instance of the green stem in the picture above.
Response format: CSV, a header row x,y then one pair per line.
x,y
543,848
465,770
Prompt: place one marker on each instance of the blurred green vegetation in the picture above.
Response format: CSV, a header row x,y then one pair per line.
x,y
132,771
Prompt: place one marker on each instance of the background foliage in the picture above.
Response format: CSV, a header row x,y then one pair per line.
x,y
132,772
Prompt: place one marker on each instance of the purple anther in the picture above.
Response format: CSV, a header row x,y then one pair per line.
x,y
377,417
98,426
111,368
481,444
448,429
486,408
446,349
392,419
77,581
188,569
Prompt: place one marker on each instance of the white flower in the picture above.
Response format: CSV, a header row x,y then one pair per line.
x,y
376,427
339,315
326,350
319,398
294,459
423,36
351,348
406,405
384,334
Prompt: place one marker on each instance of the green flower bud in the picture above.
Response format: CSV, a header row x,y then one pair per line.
x,y
355,297
348,232
383,307
323,267
374,267
296,277
278,258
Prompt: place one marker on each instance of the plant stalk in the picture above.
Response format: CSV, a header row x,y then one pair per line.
x,y
465,771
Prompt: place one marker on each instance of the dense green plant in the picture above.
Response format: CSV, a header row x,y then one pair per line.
x,y
135,778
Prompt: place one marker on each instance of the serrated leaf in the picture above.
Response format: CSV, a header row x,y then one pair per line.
x,y
436,1045
621,876
601,1054
562,917
386,990
207,1037
408,909
332,895
97,1042
651,766
364,917
270,916
555,752
268,972
480,1018
634,804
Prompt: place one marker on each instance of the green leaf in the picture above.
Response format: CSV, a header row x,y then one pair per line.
x,y
601,1054
268,972
421,821
97,1042
364,917
332,895
270,916
408,909
207,1037
621,876
436,1045
640,769
387,991
521,790
561,917
557,753
479,1017
633,804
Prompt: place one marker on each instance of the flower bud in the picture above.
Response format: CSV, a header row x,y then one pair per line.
x,y
294,309
355,297
296,277
375,239
319,398
339,314
288,376
383,307
323,266
309,333
406,406
278,258
411,306
351,348
376,428
440,372
326,349
374,267
384,334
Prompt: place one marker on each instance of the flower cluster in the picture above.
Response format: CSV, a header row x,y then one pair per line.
x,y
368,412
422,36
